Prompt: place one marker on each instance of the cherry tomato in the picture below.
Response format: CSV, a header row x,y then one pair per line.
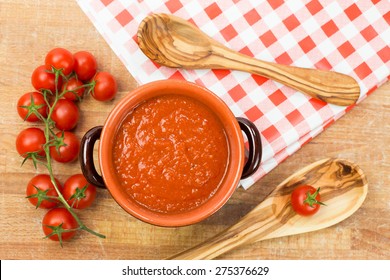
x,y
38,197
61,219
105,88
29,104
65,114
76,195
69,150
74,89
85,65
43,78
30,140
306,200
60,58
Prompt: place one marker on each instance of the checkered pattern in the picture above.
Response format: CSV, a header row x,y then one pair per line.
x,y
348,36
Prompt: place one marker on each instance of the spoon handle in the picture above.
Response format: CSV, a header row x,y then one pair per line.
x,y
257,225
328,86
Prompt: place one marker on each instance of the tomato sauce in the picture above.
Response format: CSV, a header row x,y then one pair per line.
x,y
171,154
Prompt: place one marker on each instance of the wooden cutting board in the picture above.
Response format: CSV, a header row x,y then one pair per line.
x,y
29,30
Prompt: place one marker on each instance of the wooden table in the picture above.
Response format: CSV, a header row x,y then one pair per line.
x,y
30,29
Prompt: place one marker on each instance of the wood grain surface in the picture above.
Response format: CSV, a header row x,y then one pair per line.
x,y
29,29
174,42
343,187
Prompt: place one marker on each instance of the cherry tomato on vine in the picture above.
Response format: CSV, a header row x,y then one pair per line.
x,y
67,147
43,78
74,89
31,103
105,86
65,114
306,200
56,221
30,140
60,58
78,192
85,65
40,189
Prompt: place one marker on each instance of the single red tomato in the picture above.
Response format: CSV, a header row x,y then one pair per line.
x,y
40,189
60,58
56,221
65,114
43,78
30,105
306,200
30,140
105,86
85,65
69,146
74,89
78,192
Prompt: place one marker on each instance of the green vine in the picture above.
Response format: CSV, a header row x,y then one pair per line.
x,y
53,140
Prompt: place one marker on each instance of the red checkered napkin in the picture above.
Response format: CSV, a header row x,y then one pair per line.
x,y
348,36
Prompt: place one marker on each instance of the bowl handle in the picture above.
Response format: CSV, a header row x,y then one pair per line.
x,y
86,157
255,149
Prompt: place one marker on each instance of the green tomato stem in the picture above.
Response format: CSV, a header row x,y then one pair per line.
x,y
311,198
48,164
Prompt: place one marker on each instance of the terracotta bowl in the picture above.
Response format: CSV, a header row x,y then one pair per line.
x,y
238,166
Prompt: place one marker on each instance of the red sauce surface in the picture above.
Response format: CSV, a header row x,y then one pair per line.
x,y
171,154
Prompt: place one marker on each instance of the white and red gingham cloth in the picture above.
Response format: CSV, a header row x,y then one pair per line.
x,y
348,36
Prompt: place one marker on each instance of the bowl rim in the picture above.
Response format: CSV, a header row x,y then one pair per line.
x,y
236,155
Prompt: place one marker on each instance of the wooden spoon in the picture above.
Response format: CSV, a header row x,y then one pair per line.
x,y
173,42
343,190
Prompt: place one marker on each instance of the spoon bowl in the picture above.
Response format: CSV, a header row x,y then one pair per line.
x,y
173,42
343,189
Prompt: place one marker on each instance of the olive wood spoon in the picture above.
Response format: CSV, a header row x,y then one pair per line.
x,y
173,42
343,190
